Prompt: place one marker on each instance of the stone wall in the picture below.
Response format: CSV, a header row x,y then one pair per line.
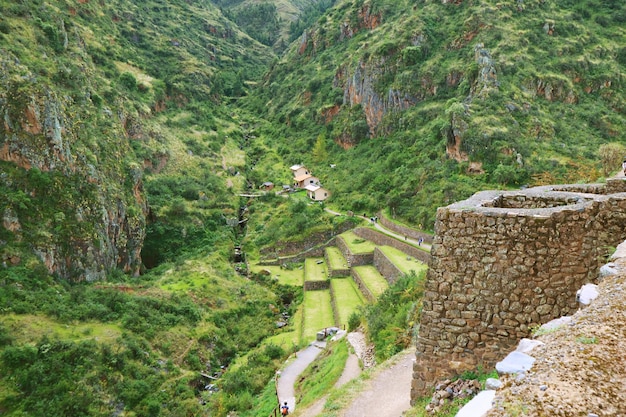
x,y
386,268
503,262
362,287
317,252
381,239
316,285
354,259
294,247
333,302
404,230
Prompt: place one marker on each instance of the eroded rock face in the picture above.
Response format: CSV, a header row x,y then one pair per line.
x,y
358,85
72,198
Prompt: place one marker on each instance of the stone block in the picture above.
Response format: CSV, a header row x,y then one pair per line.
x,y
515,363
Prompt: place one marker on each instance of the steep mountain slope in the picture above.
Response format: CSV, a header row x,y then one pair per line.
x,y
420,103
273,22
94,95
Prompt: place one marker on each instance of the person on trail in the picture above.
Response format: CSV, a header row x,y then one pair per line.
x,y
284,409
624,165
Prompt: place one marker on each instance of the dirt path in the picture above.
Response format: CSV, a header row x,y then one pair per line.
x,y
389,391
289,375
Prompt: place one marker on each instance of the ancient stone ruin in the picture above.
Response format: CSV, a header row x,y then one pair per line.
x,y
504,262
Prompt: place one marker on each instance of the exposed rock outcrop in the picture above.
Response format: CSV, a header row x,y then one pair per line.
x,y
79,205
359,89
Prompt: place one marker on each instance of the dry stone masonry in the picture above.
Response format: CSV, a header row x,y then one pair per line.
x,y
505,262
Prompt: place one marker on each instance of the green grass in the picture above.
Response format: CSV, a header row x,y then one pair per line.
x,y
347,298
323,373
390,219
336,258
400,260
293,277
314,271
372,279
318,313
30,328
357,244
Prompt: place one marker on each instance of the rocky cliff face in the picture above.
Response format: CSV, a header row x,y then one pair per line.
x,y
69,196
359,89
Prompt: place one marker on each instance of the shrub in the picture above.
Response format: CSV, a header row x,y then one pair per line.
x,y
128,81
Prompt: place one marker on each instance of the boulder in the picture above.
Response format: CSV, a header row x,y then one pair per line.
x,y
553,324
493,384
479,405
527,345
586,294
515,363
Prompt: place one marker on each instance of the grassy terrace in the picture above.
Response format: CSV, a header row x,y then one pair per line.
x,y
400,260
336,259
347,298
286,277
314,270
372,279
318,313
357,244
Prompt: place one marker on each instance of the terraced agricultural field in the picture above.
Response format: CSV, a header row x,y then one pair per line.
x,y
336,259
347,298
357,244
400,260
315,269
372,279
284,276
318,313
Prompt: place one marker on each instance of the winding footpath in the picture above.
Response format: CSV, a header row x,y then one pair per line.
x,y
288,376
386,394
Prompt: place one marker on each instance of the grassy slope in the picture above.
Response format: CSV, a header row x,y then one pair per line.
x,y
400,260
356,244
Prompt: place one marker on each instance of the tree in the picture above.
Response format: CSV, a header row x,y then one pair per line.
x,y
611,155
320,153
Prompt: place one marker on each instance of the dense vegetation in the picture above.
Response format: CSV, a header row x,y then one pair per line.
x,y
135,125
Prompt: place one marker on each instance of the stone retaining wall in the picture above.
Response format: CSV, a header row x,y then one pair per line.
x,y
316,285
356,259
386,268
404,230
333,303
362,287
381,239
317,252
503,262
290,248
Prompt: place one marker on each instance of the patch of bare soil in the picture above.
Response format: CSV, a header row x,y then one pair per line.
x,y
388,393
581,369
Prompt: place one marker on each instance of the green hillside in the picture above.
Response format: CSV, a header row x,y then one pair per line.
x,y
420,103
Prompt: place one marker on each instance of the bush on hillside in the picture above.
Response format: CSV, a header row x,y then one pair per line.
x,y
391,320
